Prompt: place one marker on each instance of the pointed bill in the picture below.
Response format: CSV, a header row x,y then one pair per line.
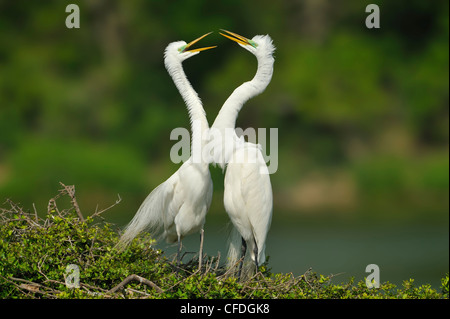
x,y
187,46
235,37
202,49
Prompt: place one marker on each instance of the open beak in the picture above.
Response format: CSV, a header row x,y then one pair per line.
x,y
238,38
187,46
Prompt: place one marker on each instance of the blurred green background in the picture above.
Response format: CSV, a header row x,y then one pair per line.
x,y
363,119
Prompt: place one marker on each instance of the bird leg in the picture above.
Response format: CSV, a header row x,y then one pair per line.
x,y
200,253
255,252
243,251
179,251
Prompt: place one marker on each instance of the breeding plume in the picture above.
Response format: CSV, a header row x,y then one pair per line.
x,y
179,205
248,192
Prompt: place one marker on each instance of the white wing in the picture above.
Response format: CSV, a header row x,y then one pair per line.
x,y
248,195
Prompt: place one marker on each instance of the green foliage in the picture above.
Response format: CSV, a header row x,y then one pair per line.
x,y
445,286
35,252
39,250
340,94
79,163
365,110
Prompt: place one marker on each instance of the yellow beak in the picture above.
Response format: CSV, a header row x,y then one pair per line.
x,y
238,38
187,46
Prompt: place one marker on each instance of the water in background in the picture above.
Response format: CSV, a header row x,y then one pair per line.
x,y
401,252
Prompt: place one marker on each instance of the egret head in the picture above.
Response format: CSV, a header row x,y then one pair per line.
x,y
180,50
259,45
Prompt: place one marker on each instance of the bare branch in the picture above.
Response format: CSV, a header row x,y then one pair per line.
x,y
70,190
97,213
135,278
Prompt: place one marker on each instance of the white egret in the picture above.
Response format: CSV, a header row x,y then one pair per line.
x,y
248,192
179,205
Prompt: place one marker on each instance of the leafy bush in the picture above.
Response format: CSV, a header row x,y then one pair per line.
x,y
34,254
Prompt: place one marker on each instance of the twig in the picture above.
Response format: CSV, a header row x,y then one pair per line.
x,y
52,205
92,287
70,190
186,253
208,266
136,278
232,269
39,265
13,205
32,286
306,280
218,259
91,248
137,291
35,214
97,213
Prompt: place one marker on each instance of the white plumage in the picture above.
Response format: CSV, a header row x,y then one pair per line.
x,y
248,191
180,204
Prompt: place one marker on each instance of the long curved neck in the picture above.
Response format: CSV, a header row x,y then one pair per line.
x,y
197,115
229,112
